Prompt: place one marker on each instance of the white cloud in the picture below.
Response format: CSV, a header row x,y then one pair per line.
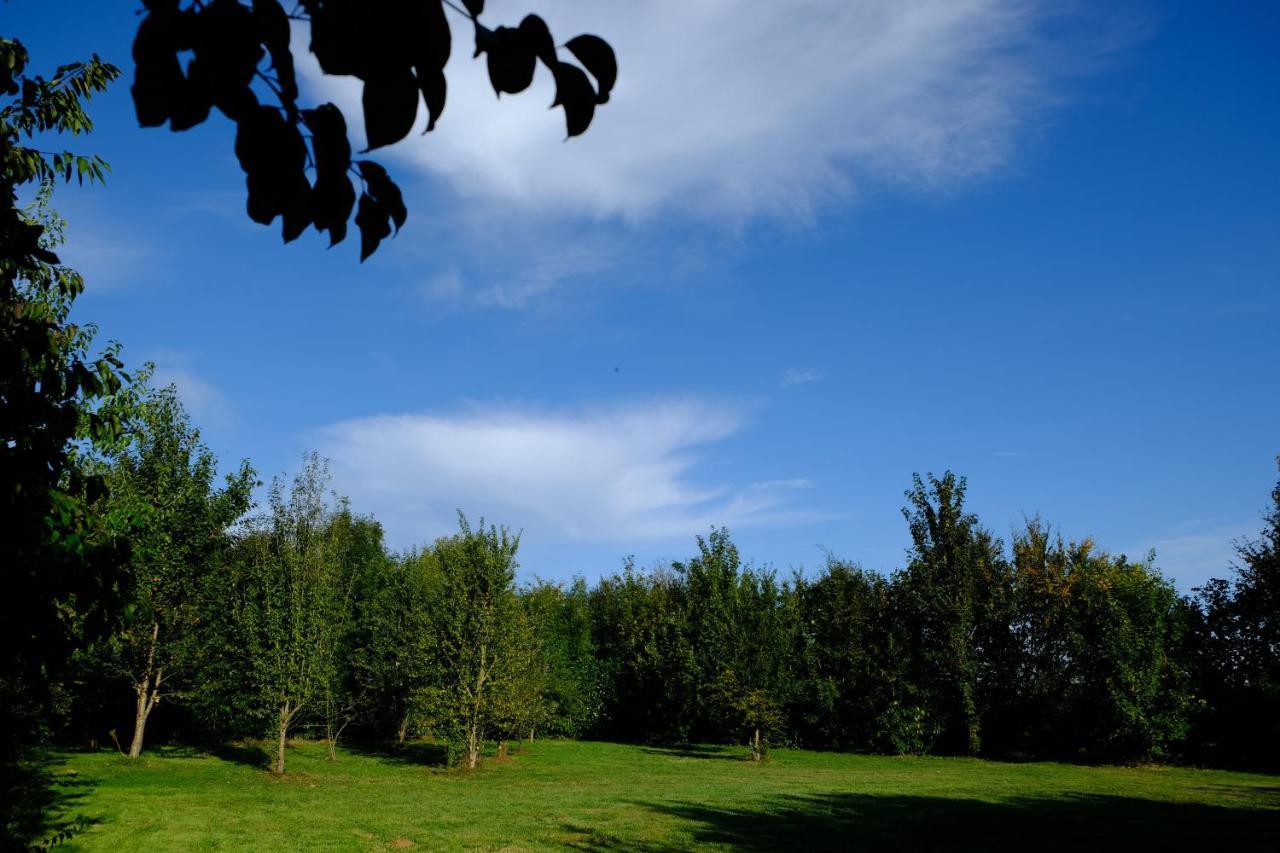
x,y
737,109
1192,556
618,474
206,403
793,376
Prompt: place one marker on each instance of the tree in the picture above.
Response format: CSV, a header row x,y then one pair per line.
x,y
361,558
60,554
398,659
647,666
476,635
241,53
561,620
1235,653
951,571
844,662
292,609
164,479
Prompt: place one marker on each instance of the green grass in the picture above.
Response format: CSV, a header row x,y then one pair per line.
x,y
605,797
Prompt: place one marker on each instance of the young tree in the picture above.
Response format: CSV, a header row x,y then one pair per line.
x,y
164,479
477,634
561,619
844,662
360,559
398,661
293,610
949,578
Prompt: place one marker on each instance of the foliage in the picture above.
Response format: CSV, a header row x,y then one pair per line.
x,y
59,404
164,480
1234,650
241,53
949,579
480,640
297,580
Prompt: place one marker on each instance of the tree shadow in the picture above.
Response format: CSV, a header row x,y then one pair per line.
x,y
419,753
37,804
247,754
870,823
693,750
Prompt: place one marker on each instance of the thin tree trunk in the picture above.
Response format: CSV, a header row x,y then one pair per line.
x,y
332,736
473,746
285,716
403,732
473,727
148,694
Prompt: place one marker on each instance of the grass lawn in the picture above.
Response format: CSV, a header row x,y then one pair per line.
x,y
600,796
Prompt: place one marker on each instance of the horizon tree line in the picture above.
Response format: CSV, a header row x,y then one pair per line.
x,y
298,619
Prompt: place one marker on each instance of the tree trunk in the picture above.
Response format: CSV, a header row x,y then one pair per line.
x,y
757,751
286,715
502,749
403,731
473,746
148,694
530,734
331,740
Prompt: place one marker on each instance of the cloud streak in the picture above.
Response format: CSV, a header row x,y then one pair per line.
x,y
734,110
625,473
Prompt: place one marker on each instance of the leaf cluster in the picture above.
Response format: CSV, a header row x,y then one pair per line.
x,y
238,58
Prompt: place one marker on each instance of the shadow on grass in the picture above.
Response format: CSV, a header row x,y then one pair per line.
x,y
37,804
693,750
419,753
866,823
248,754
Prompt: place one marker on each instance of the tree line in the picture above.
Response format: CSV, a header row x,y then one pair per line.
x,y
295,619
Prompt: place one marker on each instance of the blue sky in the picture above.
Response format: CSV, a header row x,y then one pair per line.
x,y
800,255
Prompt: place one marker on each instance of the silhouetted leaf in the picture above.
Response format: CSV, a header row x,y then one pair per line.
x,y
384,191
158,78
328,139
371,219
434,89
575,93
227,53
596,56
273,156
538,37
338,37
333,195
296,207
390,108
435,43
511,61
331,202
475,7
272,24
484,39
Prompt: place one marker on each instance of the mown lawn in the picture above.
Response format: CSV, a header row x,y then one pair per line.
x,y
599,796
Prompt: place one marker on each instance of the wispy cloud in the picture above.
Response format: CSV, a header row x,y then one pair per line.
x,y
208,405
793,376
736,110
623,473
1192,555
